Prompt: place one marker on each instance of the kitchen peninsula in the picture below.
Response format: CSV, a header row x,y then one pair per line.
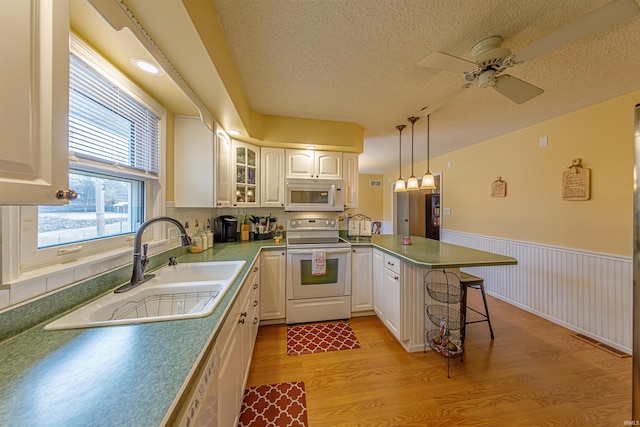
x,y
136,374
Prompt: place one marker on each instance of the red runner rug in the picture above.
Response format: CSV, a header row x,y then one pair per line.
x,y
320,337
274,405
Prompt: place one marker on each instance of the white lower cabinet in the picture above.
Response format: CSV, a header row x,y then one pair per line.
x,y
387,289
272,285
216,397
361,283
377,270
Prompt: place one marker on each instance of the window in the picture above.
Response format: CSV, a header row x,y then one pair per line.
x,y
115,153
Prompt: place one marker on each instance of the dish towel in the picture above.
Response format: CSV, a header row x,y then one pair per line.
x,y
319,262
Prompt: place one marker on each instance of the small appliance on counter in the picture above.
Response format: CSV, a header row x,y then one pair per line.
x,y
225,228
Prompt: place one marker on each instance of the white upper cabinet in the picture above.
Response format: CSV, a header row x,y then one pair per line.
x,y
245,168
311,164
193,163
350,176
34,106
223,170
272,177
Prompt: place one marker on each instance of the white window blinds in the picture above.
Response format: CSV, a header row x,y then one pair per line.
x,y
107,125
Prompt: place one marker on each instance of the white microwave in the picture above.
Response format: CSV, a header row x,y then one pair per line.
x,y
314,196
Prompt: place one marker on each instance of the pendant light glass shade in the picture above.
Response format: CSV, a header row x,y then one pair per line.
x,y
400,187
412,182
428,182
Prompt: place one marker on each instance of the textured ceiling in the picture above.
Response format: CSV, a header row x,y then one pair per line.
x,y
355,61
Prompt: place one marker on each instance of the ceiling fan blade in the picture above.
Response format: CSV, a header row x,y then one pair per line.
x,y
515,89
441,101
444,61
606,16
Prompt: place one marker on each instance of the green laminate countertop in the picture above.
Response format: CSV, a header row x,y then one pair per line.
x,y
125,375
130,375
428,253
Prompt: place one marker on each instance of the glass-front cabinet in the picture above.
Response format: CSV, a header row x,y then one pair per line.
x,y
246,170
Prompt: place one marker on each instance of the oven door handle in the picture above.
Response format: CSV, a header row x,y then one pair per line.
x,y
328,251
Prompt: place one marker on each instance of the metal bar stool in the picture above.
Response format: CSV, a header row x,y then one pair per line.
x,y
470,281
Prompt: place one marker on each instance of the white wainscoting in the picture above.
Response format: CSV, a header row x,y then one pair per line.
x,y
587,292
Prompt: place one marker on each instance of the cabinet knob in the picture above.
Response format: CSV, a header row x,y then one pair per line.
x,y
66,195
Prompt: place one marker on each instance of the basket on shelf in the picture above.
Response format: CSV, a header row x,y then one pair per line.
x,y
439,313
444,292
448,345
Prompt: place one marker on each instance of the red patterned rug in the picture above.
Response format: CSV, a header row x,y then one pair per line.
x,y
274,405
320,337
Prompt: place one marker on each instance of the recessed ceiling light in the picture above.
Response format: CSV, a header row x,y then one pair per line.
x,y
234,132
147,66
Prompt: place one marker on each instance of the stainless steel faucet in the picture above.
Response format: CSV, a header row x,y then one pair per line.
x,y
140,260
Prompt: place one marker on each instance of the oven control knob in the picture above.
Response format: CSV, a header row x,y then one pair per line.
x,y
294,223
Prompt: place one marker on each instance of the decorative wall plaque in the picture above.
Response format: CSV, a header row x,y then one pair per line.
x,y
576,182
499,188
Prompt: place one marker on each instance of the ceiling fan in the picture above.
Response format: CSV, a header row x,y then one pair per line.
x,y
491,59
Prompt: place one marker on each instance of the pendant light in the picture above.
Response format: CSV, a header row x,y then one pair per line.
x,y
412,182
428,183
400,187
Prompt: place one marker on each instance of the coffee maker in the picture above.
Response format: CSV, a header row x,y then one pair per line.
x,y
225,229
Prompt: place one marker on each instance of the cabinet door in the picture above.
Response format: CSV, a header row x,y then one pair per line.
x,y
229,404
34,149
245,169
193,162
272,177
392,301
273,266
378,282
350,176
361,286
223,170
328,165
300,164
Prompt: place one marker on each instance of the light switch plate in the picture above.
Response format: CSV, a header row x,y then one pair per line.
x,y
447,211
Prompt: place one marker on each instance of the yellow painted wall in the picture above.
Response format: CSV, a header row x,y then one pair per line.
x,y
370,198
533,211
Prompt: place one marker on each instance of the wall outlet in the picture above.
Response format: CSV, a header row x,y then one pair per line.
x,y
447,211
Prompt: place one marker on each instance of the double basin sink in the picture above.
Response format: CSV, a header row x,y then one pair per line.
x,y
181,291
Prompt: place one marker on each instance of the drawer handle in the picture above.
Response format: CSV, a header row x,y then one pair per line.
x,y
243,314
255,286
255,269
255,303
241,321
255,320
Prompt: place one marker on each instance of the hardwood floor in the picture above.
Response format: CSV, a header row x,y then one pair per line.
x,y
533,374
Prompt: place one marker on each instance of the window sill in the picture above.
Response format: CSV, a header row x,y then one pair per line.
x,y
44,281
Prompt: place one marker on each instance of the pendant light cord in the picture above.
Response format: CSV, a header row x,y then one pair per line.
x,y
400,128
428,120
413,121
